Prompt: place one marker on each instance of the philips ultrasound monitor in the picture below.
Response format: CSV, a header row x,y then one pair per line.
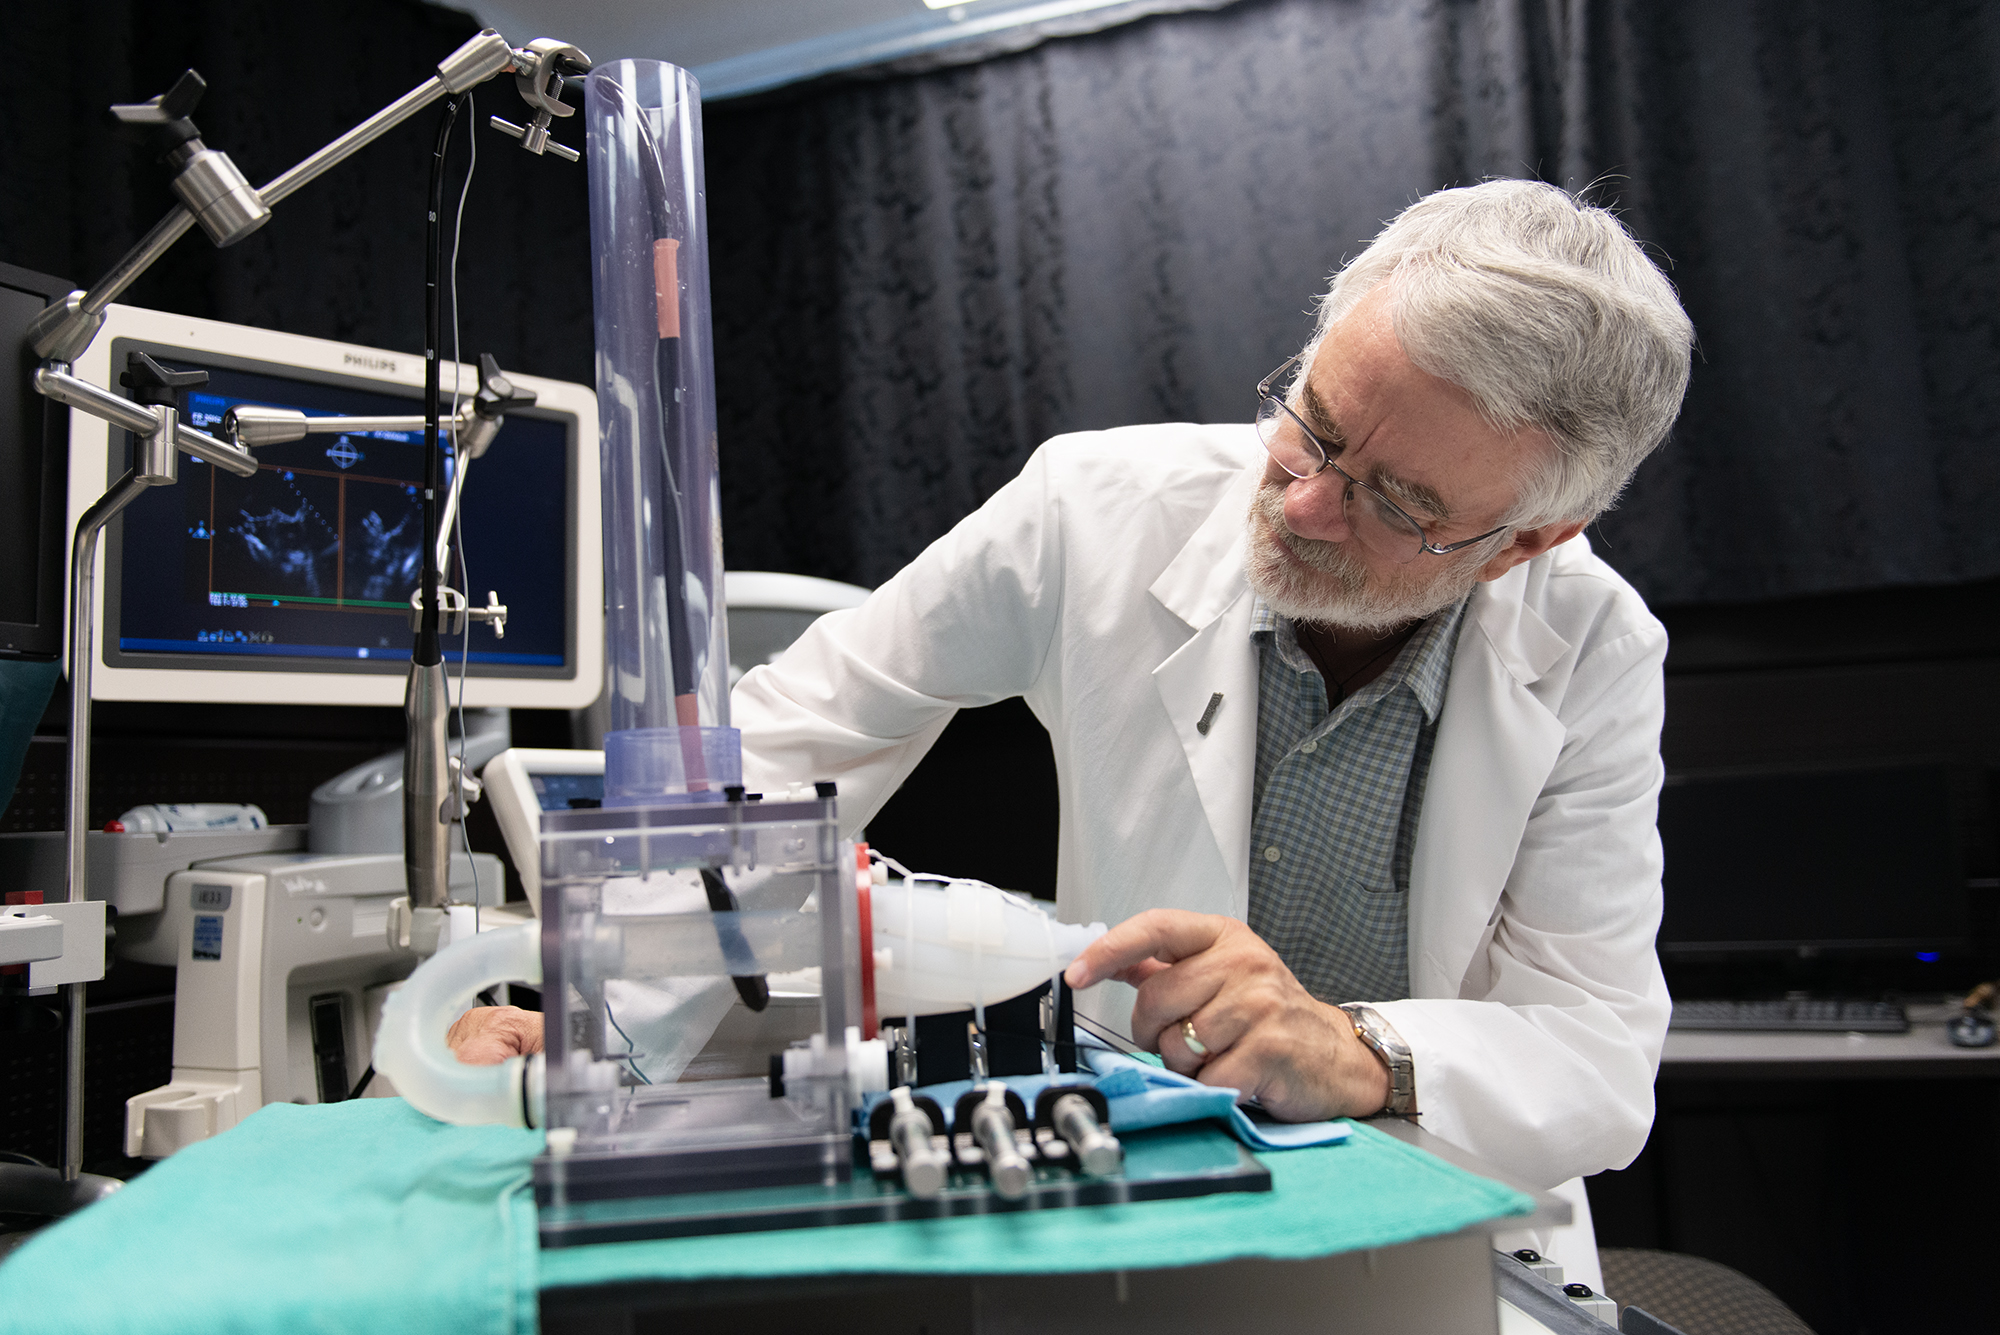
x,y
293,586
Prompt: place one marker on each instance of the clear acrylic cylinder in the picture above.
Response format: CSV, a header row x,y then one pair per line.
x,y
666,634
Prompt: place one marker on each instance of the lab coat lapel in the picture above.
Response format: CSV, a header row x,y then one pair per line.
x,y
1496,745
1205,587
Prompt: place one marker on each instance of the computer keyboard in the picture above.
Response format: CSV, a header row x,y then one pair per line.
x,y
1867,1017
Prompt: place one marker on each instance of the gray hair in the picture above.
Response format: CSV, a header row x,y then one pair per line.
x,y
1544,310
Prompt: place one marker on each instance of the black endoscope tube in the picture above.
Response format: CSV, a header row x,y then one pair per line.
x,y
427,650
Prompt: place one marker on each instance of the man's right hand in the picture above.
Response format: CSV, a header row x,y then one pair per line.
x,y
488,1035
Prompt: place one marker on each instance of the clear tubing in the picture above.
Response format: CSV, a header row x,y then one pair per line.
x,y
666,636
410,1046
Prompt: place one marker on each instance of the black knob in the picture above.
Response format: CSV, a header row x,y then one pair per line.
x,y
169,111
1577,1291
154,385
1528,1256
825,788
497,394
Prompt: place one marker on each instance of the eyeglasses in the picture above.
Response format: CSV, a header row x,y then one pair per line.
x,y
1383,526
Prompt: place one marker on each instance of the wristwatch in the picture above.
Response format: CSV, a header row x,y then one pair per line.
x,y
1380,1038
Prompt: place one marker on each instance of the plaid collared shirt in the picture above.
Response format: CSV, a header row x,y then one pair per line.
x,y
1337,798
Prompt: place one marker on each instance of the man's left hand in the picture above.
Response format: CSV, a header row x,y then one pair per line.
x,y
487,1035
1265,1035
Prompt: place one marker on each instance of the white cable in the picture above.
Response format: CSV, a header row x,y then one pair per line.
x,y
909,947
458,512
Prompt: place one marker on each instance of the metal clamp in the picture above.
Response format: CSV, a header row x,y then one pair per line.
x,y
539,68
453,611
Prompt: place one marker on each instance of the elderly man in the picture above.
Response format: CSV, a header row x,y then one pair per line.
x,y
1343,707
1358,742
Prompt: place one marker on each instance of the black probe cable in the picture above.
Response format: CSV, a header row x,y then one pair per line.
x,y
427,651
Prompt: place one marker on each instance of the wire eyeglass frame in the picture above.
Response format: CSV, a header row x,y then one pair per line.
x,y
1398,527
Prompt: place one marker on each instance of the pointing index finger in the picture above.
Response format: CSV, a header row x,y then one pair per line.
x,y
1167,935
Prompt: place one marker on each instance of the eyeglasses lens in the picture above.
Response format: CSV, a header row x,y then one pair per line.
x,y
1381,528
1286,443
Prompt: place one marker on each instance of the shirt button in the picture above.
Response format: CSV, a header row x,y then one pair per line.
x,y
1307,748
1273,853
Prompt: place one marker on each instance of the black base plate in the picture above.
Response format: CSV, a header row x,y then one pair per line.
x,y
1193,1159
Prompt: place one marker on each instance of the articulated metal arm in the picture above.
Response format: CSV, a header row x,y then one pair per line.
x,y
214,193
140,420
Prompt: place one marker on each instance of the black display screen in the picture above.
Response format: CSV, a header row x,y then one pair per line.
x,y
1862,862
310,563
561,792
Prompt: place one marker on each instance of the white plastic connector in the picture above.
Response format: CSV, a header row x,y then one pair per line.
x,y
586,1073
867,1065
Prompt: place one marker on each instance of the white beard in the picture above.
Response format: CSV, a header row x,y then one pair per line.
x,y
1329,585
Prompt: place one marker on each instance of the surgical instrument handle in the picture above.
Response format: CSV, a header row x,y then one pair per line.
x,y
1097,1150
922,1162
993,1132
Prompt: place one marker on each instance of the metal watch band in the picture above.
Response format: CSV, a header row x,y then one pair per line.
x,y
1381,1038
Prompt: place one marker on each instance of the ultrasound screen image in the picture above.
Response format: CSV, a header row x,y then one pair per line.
x,y
316,555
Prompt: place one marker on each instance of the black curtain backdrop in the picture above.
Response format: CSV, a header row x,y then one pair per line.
x,y
917,279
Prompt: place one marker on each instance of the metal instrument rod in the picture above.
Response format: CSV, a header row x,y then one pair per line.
x,y
137,418
427,787
356,139
138,259
76,995
1097,1150
462,465
83,556
993,1131
77,392
329,425
210,450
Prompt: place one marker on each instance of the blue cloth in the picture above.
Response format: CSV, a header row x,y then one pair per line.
x,y
1142,1095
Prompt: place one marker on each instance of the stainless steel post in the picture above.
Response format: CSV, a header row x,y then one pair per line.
x,y
155,465
427,800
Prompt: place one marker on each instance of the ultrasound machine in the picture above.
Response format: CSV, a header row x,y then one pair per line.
x,y
292,586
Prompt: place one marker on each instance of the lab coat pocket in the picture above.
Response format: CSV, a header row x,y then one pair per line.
x,y
1348,942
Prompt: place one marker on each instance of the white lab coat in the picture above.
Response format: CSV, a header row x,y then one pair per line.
x,y
1105,584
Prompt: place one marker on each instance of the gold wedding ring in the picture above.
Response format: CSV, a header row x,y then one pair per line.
x,y
1194,1045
